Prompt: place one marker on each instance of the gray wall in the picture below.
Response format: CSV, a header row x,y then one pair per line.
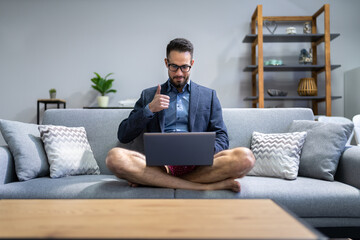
x,y
351,93
59,44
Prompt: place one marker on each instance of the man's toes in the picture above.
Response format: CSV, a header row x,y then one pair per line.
x,y
236,186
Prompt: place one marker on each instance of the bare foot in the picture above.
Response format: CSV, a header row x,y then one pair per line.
x,y
228,184
236,187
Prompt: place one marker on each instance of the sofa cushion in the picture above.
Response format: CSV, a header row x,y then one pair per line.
x,y
306,197
27,148
277,155
68,151
80,187
242,122
324,144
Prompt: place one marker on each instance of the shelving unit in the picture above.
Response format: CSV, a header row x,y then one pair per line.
x,y
268,38
292,68
257,62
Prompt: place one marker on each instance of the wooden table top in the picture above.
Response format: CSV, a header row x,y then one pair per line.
x,y
149,219
51,100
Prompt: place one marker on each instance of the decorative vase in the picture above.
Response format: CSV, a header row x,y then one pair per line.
x,y
307,28
305,56
307,87
103,101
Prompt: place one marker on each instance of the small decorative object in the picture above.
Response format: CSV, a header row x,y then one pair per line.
x,y
291,30
52,92
276,92
305,56
127,102
307,28
273,62
103,86
271,26
307,87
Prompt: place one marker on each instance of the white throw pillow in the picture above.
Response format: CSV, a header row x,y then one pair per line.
x,y
277,155
68,151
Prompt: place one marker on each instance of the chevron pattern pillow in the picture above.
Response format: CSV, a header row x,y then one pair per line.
x,y
68,151
277,155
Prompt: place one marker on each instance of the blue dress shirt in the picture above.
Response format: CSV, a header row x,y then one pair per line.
x,y
177,115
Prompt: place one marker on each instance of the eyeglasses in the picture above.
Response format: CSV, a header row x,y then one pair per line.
x,y
183,68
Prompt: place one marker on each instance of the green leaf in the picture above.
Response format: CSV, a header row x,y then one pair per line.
x,y
97,75
95,80
101,83
108,75
96,88
111,91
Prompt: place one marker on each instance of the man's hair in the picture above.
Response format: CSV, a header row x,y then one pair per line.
x,y
180,45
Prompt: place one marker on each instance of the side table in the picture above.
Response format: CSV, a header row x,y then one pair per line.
x,y
46,102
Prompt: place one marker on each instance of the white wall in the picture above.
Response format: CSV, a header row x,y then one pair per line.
x,y
59,44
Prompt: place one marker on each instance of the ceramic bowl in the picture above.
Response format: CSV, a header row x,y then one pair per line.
x,y
291,30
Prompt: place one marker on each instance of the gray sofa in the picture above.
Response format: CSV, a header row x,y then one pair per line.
x,y
320,203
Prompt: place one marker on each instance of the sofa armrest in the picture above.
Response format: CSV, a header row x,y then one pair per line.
x,y
349,167
7,167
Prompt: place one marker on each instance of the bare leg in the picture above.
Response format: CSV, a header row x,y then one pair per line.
x,y
232,163
131,166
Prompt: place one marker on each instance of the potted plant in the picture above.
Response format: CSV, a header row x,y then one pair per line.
x,y
103,86
52,92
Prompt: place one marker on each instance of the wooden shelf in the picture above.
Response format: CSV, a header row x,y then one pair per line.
x,y
281,38
257,38
290,68
296,98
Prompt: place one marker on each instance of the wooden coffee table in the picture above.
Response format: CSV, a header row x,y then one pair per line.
x,y
149,219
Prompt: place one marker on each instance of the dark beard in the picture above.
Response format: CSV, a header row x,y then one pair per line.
x,y
179,85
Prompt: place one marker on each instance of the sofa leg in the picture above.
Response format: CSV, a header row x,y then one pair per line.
x,y
340,232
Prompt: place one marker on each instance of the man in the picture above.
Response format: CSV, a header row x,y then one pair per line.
x,y
179,105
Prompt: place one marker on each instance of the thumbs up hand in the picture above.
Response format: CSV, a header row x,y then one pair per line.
x,y
160,101
158,90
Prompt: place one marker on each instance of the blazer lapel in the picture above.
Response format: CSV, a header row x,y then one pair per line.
x,y
161,114
194,100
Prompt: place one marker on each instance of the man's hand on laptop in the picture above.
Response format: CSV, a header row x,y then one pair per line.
x,y
160,101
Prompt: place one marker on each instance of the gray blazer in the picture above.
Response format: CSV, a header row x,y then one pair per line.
x,y
205,115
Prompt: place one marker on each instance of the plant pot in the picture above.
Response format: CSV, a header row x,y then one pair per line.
x,y
103,101
52,95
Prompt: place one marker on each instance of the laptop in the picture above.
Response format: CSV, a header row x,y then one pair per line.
x,y
176,149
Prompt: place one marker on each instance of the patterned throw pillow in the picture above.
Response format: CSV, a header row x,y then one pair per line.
x,y
68,151
277,155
